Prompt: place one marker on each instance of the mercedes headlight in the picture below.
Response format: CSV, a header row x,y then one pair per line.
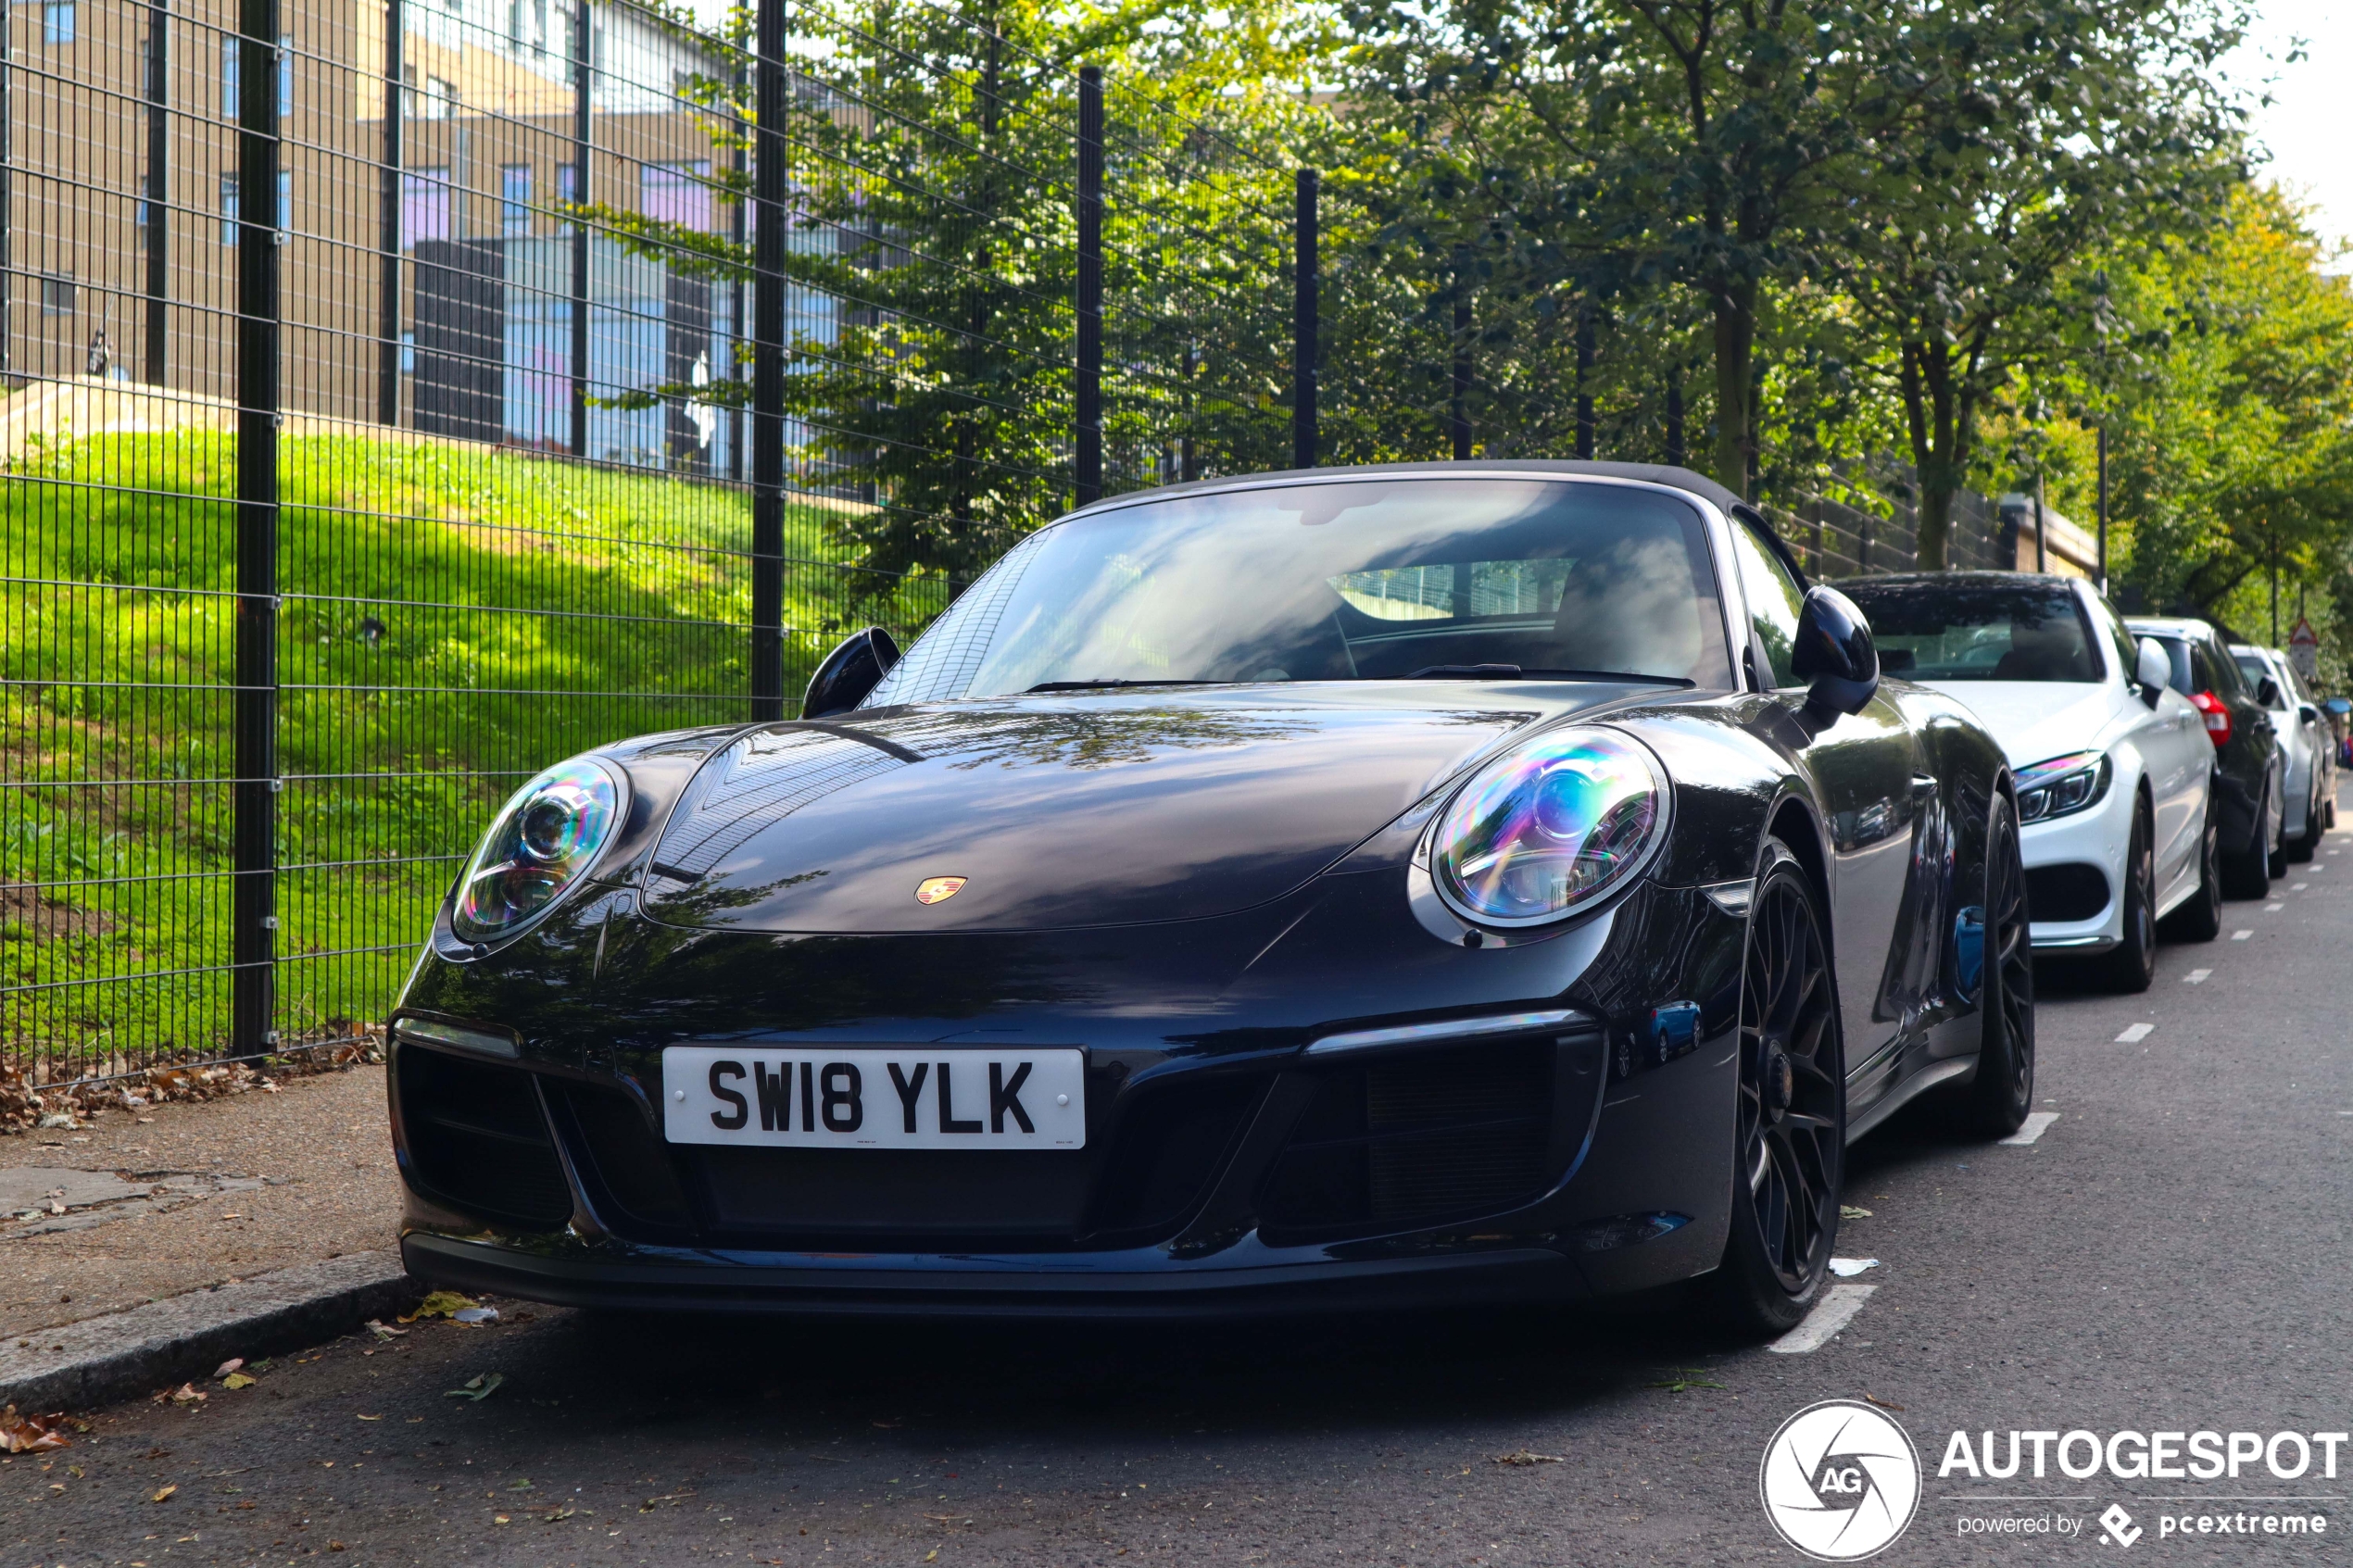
x,y
538,845
2062,786
1550,827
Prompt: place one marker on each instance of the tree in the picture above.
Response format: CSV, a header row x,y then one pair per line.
x,y
2049,136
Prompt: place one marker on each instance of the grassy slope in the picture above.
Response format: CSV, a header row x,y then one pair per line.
x,y
423,668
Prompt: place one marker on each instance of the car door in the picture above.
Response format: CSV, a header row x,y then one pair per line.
x,y
2175,754
1874,791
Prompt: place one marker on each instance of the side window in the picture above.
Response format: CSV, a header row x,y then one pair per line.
x,y
1774,600
2202,667
2225,676
2121,642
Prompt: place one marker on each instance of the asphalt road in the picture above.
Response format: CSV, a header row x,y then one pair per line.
x,y
2170,1254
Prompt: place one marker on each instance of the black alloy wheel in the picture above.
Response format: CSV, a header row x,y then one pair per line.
x,y
2306,845
2246,873
2200,918
2002,1090
2132,965
1789,1137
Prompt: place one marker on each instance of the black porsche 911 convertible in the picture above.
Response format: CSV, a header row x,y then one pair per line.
x,y
1368,886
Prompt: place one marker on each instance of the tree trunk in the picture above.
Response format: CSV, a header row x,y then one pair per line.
x,y
1937,421
1735,345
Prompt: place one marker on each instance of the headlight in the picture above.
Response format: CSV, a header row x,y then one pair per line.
x,y
546,836
2063,785
1548,827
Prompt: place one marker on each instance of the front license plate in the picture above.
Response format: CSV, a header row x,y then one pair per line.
x,y
899,1098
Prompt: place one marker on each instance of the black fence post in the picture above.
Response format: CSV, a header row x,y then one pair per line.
x,y
253,905
7,226
1459,409
1089,391
739,231
158,229
388,217
2103,508
1306,331
771,188
584,50
1675,417
1584,379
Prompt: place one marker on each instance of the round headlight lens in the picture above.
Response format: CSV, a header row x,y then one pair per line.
x,y
544,838
1548,827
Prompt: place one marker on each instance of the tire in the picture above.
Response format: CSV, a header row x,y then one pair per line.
x,y
2306,845
2002,1091
2247,874
2275,856
2132,965
2200,920
1789,1146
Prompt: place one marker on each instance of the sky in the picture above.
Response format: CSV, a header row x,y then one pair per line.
x,y
2309,127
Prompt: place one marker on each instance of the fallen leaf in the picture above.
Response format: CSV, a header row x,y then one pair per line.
x,y
371,1418
334,1546
187,1394
238,1380
1848,1211
932,1556
383,1330
440,1304
163,1494
564,1512
523,1485
500,1519
477,1388
1883,1404
1521,1456
225,1368
29,1434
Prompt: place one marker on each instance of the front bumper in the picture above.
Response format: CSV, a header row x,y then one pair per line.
x,y
1227,1172
2074,854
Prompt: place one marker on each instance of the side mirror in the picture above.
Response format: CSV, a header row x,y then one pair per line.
x,y
852,670
2307,712
1834,654
2154,670
2267,692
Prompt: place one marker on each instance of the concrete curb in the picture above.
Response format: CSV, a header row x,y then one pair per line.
x,y
163,1343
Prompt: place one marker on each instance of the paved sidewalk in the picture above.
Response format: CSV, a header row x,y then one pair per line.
x,y
181,1196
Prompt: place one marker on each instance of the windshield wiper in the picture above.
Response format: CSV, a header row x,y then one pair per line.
x,y
1106,684
1515,673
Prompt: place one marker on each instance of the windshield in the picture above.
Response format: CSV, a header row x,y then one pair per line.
x,y
1977,631
1345,580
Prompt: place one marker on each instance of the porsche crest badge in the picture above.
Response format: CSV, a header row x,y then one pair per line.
x,y
934,889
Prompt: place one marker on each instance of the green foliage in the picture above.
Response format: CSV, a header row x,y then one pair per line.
x,y
454,620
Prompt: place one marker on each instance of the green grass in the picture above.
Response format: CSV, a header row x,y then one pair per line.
x,y
412,700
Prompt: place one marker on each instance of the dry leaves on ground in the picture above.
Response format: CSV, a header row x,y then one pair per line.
x,y
1522,1456
440,1304
31,1434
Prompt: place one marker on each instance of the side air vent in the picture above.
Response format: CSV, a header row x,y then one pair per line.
x,y
476,1138
2072,890
1437,1135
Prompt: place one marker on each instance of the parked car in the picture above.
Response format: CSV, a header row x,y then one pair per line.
x,y
1424,882
2247,779
2307,746
2114,771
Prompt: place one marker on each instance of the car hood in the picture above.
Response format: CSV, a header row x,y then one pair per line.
x,y
2035,721
1063,812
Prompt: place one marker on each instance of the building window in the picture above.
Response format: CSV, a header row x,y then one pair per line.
x,y
285,75
567,182
676,193
441,98
424,205
57,22
514,198
231,57
227,210
56,293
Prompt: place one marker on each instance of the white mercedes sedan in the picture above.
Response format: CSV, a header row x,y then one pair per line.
x,y
2114,768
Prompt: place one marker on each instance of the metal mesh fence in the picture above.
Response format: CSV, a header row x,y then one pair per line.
x,y
402,398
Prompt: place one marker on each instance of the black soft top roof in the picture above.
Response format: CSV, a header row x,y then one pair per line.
x,y
1655,473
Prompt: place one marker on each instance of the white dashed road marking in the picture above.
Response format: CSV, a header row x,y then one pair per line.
x,y
2136,1033
2299,886
2273,909
1830,1317
2035,1126
2241,936
2196,977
